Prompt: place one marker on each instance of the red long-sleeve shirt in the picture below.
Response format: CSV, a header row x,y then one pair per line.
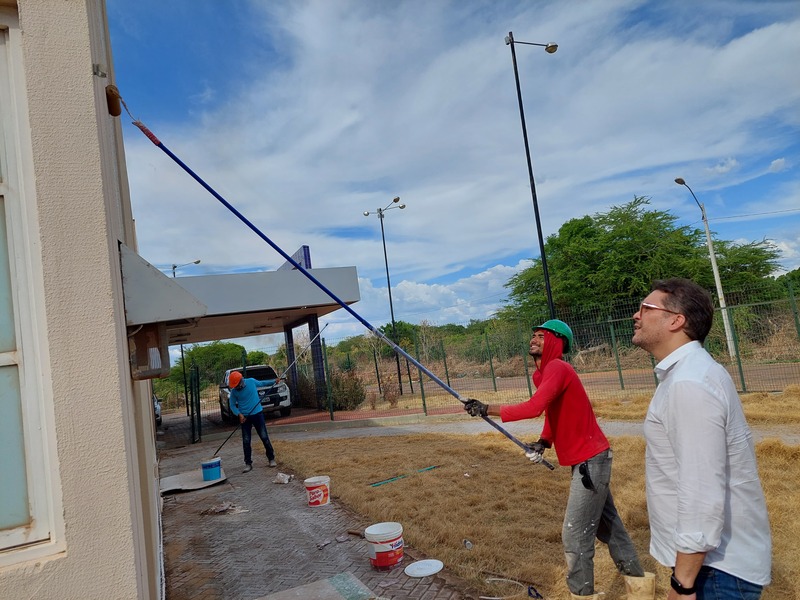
x,y
569,421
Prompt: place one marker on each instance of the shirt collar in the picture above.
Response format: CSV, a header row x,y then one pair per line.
x,y
664,366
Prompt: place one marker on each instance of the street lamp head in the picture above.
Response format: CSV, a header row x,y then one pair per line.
x,y
680,181
401,206
396,199
551,48
366,213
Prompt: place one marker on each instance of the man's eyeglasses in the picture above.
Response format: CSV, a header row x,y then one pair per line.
x,y
644,305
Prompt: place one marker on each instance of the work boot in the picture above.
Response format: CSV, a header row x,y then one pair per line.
x,y
247,468
272,463
641,588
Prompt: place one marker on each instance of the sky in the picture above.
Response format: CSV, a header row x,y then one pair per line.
x,y
305,114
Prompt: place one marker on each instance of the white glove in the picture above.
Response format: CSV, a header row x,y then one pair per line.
x,y
534,456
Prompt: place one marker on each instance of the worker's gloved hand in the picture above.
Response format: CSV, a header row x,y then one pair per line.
x,y
476,408
536,451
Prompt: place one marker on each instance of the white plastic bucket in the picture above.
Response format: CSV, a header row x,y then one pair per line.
x,y
212,469
318,490
385,544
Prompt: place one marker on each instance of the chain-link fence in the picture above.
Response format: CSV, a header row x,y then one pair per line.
x,y
489,360
493,364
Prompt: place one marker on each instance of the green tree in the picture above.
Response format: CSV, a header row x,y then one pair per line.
x,y
611,259
258,357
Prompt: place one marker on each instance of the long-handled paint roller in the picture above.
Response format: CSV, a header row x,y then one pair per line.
x,y
282,375
149,134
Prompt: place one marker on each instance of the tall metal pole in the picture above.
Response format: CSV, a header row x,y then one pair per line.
x,y
717,281
391,305
550,48
183,362
380,212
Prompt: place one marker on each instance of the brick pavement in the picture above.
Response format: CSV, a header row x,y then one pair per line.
x,y
277,542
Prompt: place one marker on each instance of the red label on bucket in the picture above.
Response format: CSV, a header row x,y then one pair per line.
x,y
317,490
387,553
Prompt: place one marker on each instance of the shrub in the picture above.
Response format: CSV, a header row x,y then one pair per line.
x,y
347,390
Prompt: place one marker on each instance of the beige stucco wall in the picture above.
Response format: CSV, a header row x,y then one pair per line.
x,y
104,470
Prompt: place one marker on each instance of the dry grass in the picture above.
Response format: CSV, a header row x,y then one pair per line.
x,y
485,491
759,407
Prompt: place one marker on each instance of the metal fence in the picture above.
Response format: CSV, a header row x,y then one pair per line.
x,y
491,361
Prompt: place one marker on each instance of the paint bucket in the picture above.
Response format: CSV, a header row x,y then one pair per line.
x,y
212,469
385,544
318,490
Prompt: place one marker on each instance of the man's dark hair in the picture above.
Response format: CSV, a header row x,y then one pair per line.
x,y
690,300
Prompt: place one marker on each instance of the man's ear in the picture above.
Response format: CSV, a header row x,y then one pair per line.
x,y
677,323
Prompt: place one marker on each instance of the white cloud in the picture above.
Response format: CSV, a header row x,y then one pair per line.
x,y
356,103
777,165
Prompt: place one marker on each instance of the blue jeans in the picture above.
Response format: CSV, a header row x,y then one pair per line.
x,y
713,584
591,514
257,421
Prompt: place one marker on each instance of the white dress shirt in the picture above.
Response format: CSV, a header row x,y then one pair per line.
x,y
703,490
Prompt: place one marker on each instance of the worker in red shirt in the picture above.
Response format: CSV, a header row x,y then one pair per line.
x,y
571,427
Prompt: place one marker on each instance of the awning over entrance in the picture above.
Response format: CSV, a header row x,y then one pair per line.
x,y
215,307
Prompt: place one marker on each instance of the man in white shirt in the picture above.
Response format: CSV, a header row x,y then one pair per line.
x,y
708,515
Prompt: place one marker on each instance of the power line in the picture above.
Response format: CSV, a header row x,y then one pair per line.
x,y
774,212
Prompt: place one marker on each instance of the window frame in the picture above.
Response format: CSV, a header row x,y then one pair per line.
x,y
44,535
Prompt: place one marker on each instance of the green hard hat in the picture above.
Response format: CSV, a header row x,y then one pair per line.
x,y
559,328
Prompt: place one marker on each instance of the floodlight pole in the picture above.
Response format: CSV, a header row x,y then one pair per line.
x,y
380,212
550,49
717,281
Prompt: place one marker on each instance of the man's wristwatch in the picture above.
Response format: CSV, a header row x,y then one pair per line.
x,y
679,587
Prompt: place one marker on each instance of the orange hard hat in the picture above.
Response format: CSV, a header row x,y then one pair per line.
x,y
234,379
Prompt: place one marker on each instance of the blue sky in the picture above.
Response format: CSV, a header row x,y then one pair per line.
x,y
305,114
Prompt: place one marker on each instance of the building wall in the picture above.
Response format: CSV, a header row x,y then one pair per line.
x,y
99,424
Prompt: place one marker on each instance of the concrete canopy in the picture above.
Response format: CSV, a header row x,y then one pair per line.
x,y
245,304
216,307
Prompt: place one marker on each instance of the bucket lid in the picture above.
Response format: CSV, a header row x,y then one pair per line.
x,y
384,529
423,568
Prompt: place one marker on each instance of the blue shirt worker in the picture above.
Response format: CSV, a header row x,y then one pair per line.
x,y
246,404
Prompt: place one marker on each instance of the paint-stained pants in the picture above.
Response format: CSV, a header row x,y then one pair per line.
x,y
258,422
591,514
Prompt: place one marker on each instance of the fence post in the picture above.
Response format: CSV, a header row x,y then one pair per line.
x,y
377,371
736,350
527,373
444,360
194,376
793,304
616,353
491,364
653,362
421,385
408,371
328,379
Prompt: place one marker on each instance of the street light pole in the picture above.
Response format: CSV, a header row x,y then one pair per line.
x,y
183,362
550,49
380,212
717,281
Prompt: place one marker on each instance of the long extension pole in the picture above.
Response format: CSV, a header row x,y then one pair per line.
x,y
149,134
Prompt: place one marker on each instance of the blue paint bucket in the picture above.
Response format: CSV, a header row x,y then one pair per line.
x,y
212,469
